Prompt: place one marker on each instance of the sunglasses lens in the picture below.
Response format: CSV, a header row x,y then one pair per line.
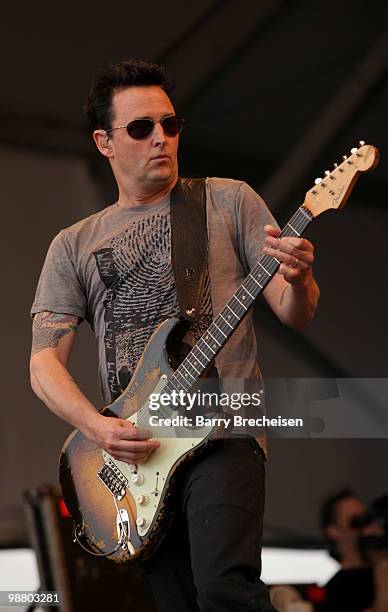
x,y
140,128
172,125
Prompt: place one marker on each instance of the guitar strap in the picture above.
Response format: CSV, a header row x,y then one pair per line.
x,y
189,243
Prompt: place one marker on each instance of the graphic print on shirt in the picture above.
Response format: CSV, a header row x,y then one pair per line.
x,y
136,270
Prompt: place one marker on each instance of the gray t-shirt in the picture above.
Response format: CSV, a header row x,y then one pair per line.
x,y
114,270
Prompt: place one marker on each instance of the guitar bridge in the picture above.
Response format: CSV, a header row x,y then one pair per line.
x,y
113,479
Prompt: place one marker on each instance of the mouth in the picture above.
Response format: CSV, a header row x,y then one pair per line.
x,y
160,158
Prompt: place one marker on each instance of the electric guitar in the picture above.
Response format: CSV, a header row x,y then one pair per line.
x,y
122,511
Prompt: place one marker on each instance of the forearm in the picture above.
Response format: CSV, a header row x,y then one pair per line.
x,y
298,302
53,384
293,293
52,340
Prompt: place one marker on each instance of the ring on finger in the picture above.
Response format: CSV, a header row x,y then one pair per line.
x,y
295,264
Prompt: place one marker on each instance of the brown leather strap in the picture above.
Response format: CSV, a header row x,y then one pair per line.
x,y
189,243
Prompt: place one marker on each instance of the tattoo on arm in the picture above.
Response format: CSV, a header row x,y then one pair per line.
x,y
49,327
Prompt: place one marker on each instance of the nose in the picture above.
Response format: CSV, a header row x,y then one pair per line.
x,y
158,135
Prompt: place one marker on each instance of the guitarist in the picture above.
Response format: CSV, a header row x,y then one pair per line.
x,y
114,269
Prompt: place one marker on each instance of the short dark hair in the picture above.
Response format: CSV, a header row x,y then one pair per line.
x,y
328,516
116,77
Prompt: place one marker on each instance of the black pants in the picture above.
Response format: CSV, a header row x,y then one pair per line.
x,y
210,559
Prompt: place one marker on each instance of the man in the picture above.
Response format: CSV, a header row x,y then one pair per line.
x,y
359,585
114,269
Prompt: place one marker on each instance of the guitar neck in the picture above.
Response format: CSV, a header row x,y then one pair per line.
x,y
212,341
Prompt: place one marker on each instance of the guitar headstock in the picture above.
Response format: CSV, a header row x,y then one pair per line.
x,y
334,189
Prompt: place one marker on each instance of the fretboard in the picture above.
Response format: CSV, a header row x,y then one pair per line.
x,y
212,341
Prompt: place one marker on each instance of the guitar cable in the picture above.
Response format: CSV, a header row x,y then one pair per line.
x,y
79,530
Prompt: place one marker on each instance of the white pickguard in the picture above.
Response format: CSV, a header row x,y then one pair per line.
x,y
155,471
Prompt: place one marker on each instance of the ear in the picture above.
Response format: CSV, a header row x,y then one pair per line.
x,y
103,142
331,532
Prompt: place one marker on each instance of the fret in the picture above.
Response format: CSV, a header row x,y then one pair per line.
x,y
204,354
167,390
215,339
304,213
189,373
273,265
300,219
186,386
293,229
242,296
243,305
179,373
227,322
257,282
200,362
277,260
220,330
232,311
265,269
209,347
250,294
192,365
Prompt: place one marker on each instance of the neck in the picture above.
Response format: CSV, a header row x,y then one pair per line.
x,y
351,559
144,194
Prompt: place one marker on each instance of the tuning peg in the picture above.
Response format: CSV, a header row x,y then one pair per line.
x,y
361,143
318,181
344,157
355,151
335,165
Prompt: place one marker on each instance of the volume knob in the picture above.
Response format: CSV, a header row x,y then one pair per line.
x,y
137,479
141,521
142,500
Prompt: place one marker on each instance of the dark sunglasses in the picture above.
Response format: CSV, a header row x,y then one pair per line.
x,y
142,128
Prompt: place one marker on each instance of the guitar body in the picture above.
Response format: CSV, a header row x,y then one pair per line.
x,y
91,503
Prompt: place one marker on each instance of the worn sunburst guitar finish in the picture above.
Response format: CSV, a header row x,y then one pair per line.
x,y
122,511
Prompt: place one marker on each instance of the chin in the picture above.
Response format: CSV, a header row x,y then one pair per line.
x,y
162,176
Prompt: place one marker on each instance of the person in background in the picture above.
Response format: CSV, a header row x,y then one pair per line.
x,y
361,584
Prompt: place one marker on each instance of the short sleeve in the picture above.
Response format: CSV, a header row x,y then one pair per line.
x,y
252,215
59,289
